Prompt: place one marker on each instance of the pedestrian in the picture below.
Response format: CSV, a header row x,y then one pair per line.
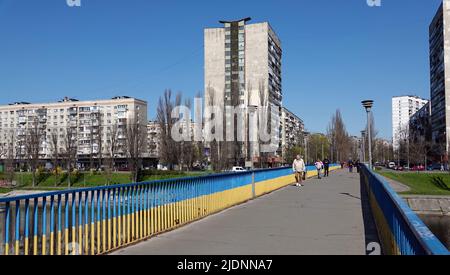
x,y
358,166
319,167
326,165
299,169
350,166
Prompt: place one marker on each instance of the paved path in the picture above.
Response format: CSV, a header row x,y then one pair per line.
x,y
325,217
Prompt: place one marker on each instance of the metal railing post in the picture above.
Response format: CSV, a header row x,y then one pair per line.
x,y
253,185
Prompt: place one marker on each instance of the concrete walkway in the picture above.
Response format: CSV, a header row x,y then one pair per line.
x,y
324,217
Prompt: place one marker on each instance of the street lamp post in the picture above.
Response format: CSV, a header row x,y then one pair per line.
x,y
305,135
363,146
368,104
252,123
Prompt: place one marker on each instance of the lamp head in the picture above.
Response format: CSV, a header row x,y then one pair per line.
x,y
368,104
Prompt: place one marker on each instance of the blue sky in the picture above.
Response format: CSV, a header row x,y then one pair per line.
x,y
336,52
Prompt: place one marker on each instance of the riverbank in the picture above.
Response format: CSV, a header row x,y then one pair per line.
x,y
417,183
429,205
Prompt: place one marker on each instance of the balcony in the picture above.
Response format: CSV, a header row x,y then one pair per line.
x,y
22,120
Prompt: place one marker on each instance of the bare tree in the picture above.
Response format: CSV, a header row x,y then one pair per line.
x,y
9,155
70,151
404,148
96,141
54,141
374,134
135,145
339,138
265,118
112,146
99,139
319,146
214,149
3,149
187,147
32,147
168,149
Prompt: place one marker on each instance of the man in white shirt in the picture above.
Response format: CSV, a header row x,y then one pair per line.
x,y
299,168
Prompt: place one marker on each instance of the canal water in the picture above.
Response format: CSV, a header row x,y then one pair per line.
x,y
440,226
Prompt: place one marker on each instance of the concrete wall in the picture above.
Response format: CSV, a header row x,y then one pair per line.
x,y
215,64
257,60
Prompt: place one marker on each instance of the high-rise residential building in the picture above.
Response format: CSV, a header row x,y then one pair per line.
x,y
420,125
87,127
403,107
439,38
292,130
243,69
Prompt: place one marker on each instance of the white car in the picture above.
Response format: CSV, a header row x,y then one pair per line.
x,y
238,169
392,165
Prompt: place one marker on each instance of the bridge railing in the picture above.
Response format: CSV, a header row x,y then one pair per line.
x,y
400,230
98,220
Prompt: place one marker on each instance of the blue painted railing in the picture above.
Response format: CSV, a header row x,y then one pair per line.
x,y
98,220
92,221
400,230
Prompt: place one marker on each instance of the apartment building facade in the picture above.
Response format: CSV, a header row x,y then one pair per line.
x,y
292,132
403,108
243,69
420,125
88,127
439,41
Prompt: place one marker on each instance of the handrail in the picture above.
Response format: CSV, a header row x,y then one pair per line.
x,y
406,221
98,220
106,187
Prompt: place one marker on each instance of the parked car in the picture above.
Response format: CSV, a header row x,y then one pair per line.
x,y
434,167
399,168
238,169
418,168
391,165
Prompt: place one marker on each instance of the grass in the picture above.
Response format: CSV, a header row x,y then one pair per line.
x,y
51,182
422,183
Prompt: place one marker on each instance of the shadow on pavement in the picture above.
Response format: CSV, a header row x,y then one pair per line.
x,y
370,230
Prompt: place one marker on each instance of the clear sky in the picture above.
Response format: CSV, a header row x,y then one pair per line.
x,y
336,52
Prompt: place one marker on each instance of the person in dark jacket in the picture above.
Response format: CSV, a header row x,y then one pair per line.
x,y
326,166
358,166
350,166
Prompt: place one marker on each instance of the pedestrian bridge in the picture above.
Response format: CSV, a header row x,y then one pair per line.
x,y
250,213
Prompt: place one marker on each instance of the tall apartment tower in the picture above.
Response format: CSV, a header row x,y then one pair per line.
x,y
243,69
439,77
403,108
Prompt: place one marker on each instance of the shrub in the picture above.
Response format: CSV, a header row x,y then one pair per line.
x,y
41,175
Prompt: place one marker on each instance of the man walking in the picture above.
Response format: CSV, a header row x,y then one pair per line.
x,y
319,167
326,164
299,168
